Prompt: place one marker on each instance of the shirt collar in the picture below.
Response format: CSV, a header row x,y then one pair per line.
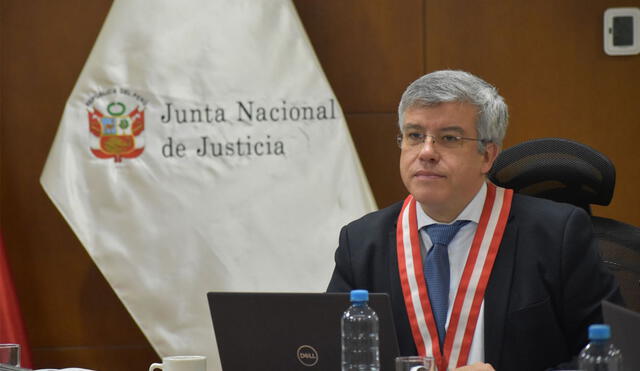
x,y
471,212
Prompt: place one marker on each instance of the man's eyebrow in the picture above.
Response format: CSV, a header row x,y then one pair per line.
x,y
455,128
412,126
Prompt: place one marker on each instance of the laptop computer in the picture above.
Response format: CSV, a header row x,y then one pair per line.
x,y
290,331
625,333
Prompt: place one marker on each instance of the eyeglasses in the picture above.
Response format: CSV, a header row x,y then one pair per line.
x,y
413,139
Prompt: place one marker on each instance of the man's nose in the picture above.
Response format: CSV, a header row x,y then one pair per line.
x,y
429,149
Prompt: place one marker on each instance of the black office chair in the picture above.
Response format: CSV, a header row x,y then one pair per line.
x,y
567,171
557,169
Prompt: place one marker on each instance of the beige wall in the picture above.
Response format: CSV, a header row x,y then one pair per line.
x,y
546,58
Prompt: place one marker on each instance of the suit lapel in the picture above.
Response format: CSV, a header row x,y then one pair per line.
x,y
400,317
394,274
496,297
395,289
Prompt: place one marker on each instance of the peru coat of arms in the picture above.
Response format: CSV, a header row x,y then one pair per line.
x,y
117,132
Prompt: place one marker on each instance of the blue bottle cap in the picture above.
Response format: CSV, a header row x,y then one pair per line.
x,y
359,295
599,332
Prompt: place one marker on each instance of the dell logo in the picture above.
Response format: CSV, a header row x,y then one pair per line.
x,y
307,355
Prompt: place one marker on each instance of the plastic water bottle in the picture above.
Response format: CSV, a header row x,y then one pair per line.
x,y
600,354
359,325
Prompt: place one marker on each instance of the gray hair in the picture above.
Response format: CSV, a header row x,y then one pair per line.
x,y
459,86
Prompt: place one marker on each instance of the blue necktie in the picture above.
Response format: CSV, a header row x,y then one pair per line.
x,y
436,271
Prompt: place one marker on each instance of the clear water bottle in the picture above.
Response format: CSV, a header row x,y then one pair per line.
x,y
359,325
600,354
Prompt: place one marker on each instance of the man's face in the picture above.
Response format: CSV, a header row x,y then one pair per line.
x,y
443,179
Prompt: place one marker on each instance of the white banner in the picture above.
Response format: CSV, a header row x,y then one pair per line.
x,y
203,149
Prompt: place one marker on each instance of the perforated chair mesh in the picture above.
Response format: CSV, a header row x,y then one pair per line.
x,y
557,169
619,245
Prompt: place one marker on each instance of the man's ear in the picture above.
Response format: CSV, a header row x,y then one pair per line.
x,y
491,151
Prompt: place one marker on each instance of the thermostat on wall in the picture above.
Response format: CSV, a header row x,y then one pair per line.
x,y
622,31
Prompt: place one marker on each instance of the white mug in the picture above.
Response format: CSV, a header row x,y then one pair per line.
x,y
181,363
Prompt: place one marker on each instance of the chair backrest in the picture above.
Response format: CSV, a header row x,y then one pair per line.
x,y
620,250
558,169
567,171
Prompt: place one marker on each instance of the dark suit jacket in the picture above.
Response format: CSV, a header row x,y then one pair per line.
x,y
543,293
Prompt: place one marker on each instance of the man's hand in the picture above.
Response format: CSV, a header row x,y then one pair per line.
x,y
478,366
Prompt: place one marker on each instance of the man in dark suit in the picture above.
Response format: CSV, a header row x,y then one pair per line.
x,y
479,278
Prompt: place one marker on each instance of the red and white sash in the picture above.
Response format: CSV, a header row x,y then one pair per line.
x,y
473,283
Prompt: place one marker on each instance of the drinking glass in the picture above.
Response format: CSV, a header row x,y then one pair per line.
x,y
10,354
414,363
181,363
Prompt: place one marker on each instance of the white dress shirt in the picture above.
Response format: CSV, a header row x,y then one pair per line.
x,y
458,251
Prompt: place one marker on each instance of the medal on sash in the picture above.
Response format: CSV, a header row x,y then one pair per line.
x,y
468,299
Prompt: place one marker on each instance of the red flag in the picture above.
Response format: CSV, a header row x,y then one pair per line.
x,y
11,326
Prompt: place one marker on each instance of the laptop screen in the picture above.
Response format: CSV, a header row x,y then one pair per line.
x,y
290,331
625,333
